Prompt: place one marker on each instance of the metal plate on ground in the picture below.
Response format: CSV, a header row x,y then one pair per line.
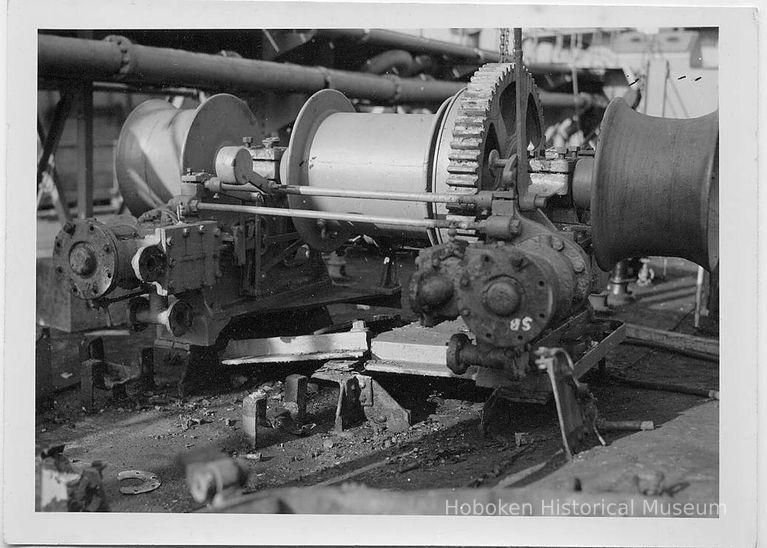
x,y
416,350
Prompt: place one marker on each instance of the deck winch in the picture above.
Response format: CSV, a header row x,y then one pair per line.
x,y
230,229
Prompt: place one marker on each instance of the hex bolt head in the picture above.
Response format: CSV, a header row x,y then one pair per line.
x,y
185,232
201,229
578,266
557,243
169,241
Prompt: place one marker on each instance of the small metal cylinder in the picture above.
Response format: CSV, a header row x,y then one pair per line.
x,y
233,165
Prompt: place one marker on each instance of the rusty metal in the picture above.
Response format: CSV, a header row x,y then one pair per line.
x,y
361,396
149,482
507,294
656,184
485,121
92,258
576,406
96,373
702,347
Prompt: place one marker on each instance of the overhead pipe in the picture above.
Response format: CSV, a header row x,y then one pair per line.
x,y
117,59
396,60
77,58
412,43
430,46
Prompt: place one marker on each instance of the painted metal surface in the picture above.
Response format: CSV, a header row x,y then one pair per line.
x,y
159,142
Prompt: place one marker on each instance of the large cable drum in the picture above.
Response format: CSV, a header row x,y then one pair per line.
x,y
333,146
655,187
159,142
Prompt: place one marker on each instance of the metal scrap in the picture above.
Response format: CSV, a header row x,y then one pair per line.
x,y
150,482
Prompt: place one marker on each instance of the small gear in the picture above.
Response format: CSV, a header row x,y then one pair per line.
x,y
486,121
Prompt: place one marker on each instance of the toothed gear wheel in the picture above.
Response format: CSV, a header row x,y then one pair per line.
x,y
486,120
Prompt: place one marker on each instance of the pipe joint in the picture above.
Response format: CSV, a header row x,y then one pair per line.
x,y
128,61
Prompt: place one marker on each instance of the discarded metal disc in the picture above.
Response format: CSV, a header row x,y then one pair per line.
x,y
149,479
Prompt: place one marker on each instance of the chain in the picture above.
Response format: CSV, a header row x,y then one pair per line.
x,y
504,45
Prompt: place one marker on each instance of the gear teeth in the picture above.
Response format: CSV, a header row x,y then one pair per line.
x,y
464,154
465,181
472,123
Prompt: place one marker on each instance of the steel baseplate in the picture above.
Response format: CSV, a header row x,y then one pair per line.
x,y
362,396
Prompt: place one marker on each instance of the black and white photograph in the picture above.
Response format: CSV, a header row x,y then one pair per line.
x,y
343,268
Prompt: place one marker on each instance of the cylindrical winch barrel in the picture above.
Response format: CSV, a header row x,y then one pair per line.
x,y
159,142
378,151
334,147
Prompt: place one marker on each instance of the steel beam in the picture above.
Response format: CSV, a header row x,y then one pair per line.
x,y
50,142
85,151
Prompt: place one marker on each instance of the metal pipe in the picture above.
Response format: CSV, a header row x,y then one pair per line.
x,y
67,58
417,44
343,217
396,60
411,42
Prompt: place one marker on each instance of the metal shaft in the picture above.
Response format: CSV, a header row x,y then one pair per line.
x,y
344,217
427,197
65,58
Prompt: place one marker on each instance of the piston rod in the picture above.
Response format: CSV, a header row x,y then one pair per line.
x,y
343,217
424,197
427,197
